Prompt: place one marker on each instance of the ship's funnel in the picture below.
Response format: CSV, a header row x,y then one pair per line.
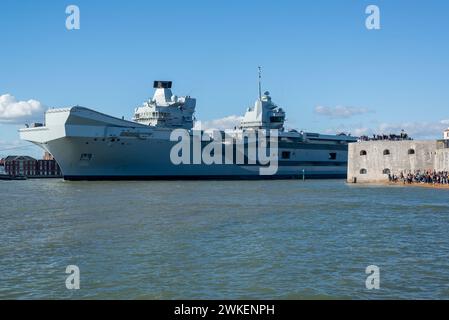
x,y
163,93
162,84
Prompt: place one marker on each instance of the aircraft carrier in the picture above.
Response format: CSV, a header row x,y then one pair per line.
x,y
90,145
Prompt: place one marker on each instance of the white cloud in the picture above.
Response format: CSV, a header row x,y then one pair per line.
x,y
224,123
13,111
354,130
10,144
340,112
18,147
417,130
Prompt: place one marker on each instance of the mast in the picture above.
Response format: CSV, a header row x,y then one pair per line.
x,y
260,85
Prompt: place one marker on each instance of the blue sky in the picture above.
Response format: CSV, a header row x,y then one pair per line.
x,y
319,61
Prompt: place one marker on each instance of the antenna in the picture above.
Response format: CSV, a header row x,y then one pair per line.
x,y
260,85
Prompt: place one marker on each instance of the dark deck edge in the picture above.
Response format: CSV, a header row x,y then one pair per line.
x,y
204,177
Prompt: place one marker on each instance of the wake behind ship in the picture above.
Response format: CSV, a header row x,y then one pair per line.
x,y
89,145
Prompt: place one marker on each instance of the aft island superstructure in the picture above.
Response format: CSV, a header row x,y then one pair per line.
x,y
90,145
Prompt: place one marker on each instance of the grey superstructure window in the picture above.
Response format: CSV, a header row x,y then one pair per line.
x,y
285,155
86,156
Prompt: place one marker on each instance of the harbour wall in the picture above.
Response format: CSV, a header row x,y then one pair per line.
x,y
372,161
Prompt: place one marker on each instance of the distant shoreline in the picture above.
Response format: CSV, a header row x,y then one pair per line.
x,y
401,184
423,185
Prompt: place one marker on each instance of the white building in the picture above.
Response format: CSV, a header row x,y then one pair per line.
x,y
446,134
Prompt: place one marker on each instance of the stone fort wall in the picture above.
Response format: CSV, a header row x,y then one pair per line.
x,y
371,161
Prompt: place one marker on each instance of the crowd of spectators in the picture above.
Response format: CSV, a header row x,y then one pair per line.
x,y
386,137
418,176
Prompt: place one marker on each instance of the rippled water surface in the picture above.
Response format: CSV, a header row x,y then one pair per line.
x,y
214,240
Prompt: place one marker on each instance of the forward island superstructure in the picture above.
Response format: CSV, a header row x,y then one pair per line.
x,y
90,145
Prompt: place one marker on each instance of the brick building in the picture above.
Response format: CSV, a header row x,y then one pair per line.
x,y
30,167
